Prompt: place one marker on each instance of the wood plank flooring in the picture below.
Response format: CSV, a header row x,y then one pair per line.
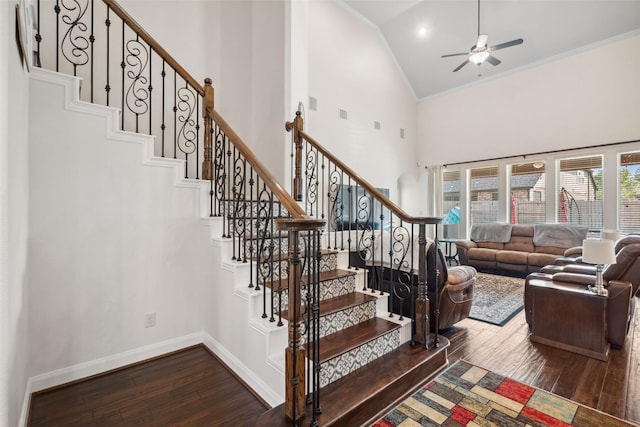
x,y
186,388
192,388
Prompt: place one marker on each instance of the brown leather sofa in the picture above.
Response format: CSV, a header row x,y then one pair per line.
x,y
455,285
519,249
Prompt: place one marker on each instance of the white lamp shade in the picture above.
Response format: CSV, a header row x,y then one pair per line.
x,y
596,251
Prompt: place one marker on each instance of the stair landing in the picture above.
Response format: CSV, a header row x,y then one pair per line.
x,y
366,394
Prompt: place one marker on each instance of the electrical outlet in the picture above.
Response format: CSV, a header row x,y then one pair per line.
x,y
150,320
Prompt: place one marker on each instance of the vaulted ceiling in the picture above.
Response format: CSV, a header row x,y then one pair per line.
x,y
419,32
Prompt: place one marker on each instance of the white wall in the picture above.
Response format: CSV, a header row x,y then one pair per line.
x,y
14,207
589,98
110,240
351,68
241,46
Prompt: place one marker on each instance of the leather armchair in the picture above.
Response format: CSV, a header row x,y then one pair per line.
x,y
615,317
455,285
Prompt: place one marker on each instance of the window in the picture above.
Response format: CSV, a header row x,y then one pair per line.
x,y
451,205
628,197
484,195
527,193
580,192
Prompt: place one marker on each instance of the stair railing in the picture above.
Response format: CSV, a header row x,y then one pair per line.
x,y
378,235
122,66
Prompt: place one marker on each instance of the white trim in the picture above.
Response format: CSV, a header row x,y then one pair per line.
x,y
260,387
104,364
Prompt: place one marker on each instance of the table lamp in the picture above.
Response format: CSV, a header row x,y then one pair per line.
x,y
599,252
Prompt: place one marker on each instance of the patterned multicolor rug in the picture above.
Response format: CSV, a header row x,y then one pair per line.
x,y
496,299
468,395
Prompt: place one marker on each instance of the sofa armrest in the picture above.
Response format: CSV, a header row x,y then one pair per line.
x,y
581,279
575,251
463,250
461,275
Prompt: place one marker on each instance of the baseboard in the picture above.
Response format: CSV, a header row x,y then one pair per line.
x,y
101,365
260,387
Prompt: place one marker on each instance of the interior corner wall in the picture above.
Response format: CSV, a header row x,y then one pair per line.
x,y
14,209
589,98
352,69
110,240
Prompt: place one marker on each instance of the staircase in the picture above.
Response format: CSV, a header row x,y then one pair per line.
x,y
303,280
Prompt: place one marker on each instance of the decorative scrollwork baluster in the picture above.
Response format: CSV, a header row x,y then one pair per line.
x,y
75,41
186,110
401,243
137,94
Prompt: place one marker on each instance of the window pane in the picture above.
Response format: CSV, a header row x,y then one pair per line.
x,y
527,193
628,200
580,192
451,205
484,195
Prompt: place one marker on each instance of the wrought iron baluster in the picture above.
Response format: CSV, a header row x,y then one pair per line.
x,y
150,89
92,39
107,23
254,238
56,9
122,66
137,95
163,126
187,105
38,38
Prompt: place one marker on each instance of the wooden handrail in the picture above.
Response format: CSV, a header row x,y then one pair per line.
x,y
384,200
154,45
282,195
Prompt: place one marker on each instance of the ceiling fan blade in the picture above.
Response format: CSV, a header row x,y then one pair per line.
x,y
461,65
482,41
492,60
454,54
506,44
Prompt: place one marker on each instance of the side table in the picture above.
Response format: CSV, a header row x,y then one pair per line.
x,y
569,318
449,255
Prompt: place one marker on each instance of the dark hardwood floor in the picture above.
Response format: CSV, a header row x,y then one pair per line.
x,y
192,388
186,388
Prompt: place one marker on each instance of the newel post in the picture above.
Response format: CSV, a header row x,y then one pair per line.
x,y
207,114
296,353
297,125
422,300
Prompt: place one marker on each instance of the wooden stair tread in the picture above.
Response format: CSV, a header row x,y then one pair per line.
x,y
353,337
284,256
336,304
324,276
368,393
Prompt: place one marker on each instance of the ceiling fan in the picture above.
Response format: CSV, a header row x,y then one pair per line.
x,y
480,52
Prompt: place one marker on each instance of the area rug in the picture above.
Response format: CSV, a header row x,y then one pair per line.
x,y
496,299
468,395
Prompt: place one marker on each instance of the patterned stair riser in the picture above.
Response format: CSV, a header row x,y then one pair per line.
x,y
343,319
235,208
280,269
348,362
328,289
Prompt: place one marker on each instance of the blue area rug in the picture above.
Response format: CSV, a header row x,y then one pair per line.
x,y
497,299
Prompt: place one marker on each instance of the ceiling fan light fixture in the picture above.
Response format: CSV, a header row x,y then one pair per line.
x,y
478,57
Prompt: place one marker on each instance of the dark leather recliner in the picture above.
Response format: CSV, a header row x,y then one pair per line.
x,y
622,280
455,285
